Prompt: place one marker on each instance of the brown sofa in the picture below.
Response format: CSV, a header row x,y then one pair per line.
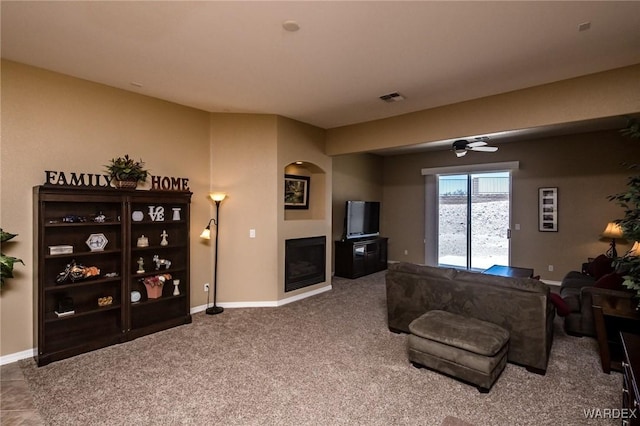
x,y
521,306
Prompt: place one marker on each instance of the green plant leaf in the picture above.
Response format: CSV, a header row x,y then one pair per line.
x,y
6,236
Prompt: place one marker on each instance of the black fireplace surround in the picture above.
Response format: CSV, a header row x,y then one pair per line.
x,y
305,262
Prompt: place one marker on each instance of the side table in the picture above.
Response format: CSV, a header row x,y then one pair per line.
x,y
612,314
509,271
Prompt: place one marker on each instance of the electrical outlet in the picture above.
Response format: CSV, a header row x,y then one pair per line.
x,y
550,268
406,252
206,287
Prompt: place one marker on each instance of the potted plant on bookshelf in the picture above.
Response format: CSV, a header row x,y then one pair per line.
x,y
126,172
6,262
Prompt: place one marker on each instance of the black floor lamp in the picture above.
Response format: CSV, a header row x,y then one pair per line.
x,y
206,234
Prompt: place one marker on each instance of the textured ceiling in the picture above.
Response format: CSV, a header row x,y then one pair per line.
x,y
236,57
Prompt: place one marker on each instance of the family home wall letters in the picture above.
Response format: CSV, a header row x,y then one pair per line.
x,y
77,179
93,180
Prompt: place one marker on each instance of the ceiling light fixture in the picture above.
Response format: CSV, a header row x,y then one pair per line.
x,y
291,26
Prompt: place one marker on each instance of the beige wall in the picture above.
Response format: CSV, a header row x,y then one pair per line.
x,y
250,154
55,122
244,165
355,177
586,169
606,94
305,143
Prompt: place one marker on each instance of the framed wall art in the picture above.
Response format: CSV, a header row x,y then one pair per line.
x,y
296,192
548,209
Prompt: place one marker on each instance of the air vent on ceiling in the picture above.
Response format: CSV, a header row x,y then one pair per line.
x,y
392,97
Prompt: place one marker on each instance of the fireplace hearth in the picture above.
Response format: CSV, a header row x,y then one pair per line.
x,y
305,262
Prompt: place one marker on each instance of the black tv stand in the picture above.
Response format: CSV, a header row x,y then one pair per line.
x,y
359,257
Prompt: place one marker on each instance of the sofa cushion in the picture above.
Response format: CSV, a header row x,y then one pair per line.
x,y
562,308
600,266
611,281
577,279
470,334
423,270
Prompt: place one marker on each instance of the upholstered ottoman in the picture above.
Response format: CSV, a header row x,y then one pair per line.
x,y
465,348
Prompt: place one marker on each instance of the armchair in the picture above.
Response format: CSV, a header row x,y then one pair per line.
x,y
577,290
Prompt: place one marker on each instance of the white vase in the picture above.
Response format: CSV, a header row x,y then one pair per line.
x,y
176,290
176,213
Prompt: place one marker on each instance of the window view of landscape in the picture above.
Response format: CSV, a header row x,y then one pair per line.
x,y
489,212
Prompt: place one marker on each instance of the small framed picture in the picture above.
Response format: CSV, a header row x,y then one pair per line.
x,y
296,192
548,209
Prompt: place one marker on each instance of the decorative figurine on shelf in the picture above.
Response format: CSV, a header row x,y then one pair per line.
x,y
156,213
164,236
140,266
105,301
73,272
72,218
176,290
176,213
100,218
161,262
143,242
154,285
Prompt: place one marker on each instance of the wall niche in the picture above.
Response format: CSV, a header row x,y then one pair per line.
x,y
316,191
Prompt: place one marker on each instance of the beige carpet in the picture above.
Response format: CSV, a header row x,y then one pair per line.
x,y
325,360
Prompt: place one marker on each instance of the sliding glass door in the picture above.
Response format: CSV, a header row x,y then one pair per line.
x,y
473,220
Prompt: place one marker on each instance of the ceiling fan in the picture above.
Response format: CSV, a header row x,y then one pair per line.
x,y
461,146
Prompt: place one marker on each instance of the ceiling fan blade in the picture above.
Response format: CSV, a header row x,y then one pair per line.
x,y
476,144
485,148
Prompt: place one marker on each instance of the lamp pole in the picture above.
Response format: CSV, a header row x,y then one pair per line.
x,y
214,310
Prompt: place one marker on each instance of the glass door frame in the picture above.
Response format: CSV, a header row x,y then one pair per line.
x,y
431,200
472,188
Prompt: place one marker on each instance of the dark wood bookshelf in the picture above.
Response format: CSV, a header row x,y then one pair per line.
x,y
92,326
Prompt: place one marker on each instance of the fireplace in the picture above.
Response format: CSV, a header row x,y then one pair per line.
x,y
304,262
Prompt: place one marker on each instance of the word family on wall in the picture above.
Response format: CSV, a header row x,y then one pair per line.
x,y
93,180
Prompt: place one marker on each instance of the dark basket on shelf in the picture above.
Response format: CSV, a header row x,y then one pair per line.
x,y
126,184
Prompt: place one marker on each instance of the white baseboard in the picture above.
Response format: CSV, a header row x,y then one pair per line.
x,y
8,359
265,304
549,282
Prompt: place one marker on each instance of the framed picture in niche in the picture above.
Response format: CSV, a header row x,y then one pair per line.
x,y
548,209
296,192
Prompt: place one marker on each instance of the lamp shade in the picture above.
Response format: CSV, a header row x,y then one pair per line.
x,y
206,234
635,250
218,196
612,230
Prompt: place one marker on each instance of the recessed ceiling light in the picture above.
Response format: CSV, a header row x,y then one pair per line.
x,y
290,25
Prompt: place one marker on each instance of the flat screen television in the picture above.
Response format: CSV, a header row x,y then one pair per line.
x,y
361,219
